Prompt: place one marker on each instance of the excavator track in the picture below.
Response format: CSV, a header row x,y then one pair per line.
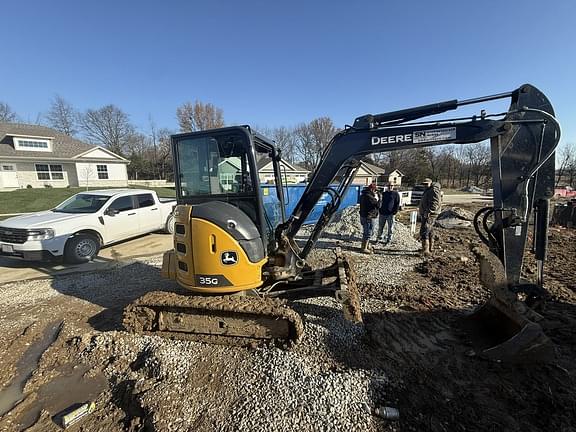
x,y
225,320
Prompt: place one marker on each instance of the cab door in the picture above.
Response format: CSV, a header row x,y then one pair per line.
x,y
121,219
149,213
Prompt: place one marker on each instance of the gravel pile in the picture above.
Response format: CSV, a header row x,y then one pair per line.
x,y
456,212
384,268
455,217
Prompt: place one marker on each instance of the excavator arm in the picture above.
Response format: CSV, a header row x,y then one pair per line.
x,y
522,141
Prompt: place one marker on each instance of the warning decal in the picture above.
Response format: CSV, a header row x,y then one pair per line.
x,y
434,135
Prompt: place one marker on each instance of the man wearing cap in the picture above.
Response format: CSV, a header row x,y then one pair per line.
x,y
430,206
368,214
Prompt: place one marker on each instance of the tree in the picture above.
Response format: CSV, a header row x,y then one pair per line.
x,y
108,126
87,173
199,116
567,164
164,153
285,140
62,116
6,113
311,139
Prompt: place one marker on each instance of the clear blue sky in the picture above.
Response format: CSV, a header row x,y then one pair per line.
x,y
270,63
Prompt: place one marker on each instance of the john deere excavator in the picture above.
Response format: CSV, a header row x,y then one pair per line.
x,y
235,250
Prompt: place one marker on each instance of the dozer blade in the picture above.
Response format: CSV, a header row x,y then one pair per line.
x,y
501,328
227,320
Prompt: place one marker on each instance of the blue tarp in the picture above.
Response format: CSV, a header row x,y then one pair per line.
x,y
292,194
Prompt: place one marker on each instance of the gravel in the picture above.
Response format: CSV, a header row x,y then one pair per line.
x,y
170,385
384,268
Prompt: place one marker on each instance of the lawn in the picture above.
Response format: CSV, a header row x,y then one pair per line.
x,y
32,200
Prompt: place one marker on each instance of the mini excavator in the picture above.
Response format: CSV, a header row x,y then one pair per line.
x,y
237,258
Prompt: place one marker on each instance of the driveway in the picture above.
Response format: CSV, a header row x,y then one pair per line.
x,y
112,256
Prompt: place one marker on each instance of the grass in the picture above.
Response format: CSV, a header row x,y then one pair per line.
x,y
32,200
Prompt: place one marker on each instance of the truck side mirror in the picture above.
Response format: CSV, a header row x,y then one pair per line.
x,y
111,212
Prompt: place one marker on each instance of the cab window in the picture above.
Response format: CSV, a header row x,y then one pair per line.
x,y
145,200
122,204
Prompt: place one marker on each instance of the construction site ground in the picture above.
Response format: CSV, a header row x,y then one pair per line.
x,y
63,344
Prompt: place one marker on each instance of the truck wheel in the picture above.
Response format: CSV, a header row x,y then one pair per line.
x,y
169,226
81,248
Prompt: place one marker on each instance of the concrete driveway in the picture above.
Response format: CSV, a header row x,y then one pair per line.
x,y
12,269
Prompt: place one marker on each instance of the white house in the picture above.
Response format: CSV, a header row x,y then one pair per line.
x,y
38,156
368,173
395,177
294,173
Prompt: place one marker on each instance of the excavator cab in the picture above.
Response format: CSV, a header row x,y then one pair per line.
x,y
223,230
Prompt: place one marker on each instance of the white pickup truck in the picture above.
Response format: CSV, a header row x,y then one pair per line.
x,y
78,227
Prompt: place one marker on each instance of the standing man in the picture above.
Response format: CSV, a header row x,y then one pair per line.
x,y
368,215
430,206
388,209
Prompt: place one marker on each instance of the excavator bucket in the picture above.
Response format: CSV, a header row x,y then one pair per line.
x,y
503,329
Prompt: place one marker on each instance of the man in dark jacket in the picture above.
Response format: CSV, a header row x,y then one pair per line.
x,y
430,206
388,209
368,214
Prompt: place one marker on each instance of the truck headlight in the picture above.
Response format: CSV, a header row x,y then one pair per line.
x,y
40,234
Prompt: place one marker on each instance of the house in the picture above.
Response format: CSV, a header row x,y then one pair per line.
x,y
395,178
292,173
369,173
38,156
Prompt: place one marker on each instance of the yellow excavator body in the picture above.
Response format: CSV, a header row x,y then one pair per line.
x,y
207,259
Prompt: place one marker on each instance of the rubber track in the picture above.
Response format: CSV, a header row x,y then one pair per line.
x,y
141,315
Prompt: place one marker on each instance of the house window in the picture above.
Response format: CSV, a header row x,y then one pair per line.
x,y
49,172
32,144
227,181
102,172
7,167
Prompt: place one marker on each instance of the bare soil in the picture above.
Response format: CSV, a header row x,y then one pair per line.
x,y
415,337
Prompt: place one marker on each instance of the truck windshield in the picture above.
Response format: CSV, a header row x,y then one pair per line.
x,y
82,203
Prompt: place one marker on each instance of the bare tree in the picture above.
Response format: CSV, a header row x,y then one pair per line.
x,y
199,116
6,113
87,172
311,139
286,141
62,116
567,157
108,126
478,163
164,153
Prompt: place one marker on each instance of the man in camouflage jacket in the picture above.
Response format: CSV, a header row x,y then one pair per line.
x,y
430,207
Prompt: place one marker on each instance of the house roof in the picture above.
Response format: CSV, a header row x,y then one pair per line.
x,y
63,146
398,171
372,168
